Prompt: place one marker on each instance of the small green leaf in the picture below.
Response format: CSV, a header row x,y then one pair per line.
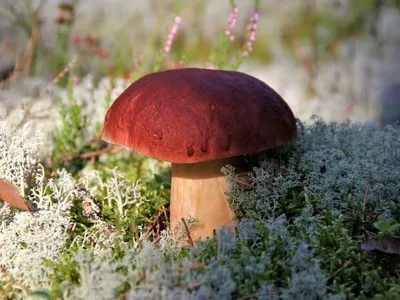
x,y
394,227
381,225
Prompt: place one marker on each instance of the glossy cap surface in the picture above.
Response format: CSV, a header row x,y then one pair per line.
x,y
194,115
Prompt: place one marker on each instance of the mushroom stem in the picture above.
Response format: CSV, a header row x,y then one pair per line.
x,y
198,191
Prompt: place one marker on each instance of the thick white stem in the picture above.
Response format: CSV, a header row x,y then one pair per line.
x,y
199,191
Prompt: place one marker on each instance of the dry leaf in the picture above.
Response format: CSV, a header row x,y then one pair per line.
x,y
389,245
10,194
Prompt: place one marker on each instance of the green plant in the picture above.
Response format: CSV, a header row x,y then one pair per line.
x,y
220,55
385,229
100,226
68,138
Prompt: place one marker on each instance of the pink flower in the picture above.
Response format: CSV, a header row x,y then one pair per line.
x,y
232,20
252,28
172,35
75,79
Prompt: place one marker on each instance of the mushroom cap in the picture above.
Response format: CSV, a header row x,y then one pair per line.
x,y
195,115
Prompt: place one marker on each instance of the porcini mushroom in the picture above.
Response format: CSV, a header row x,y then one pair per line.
x,y
199,120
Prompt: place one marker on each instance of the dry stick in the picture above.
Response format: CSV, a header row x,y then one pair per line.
x,y
156,240
5,46
27,113
280,168
345,265
364,212
61,75
365,198
26,109
331,289
188,233
23,65
147,234
158,226
166,217
364,208
95,153
245,184
154,225
243,181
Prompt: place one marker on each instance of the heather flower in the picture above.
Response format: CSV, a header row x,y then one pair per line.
x,y
252,28
232,20
75,79
172,35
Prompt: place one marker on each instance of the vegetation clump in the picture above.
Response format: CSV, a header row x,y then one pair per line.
x,y
302,218
316,219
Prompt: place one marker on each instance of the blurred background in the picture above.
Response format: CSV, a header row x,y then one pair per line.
x,y
339,59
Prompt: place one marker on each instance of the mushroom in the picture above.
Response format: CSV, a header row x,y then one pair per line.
x,y
199,120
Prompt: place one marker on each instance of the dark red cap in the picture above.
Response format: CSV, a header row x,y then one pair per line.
x,y
194,115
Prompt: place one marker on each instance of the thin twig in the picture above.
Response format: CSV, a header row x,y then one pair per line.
x,y
155,224
280,168
195,266
5,46
157,240
242,180
365,197
23,64
92,154
244,183
188,233
345,265
61,75
365,206
26,109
